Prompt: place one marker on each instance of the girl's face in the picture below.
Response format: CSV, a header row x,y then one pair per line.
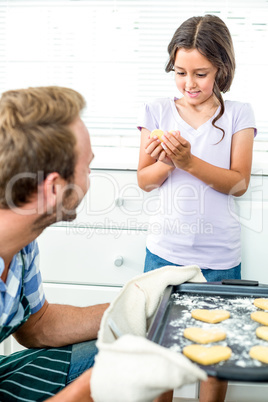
x,y
195,76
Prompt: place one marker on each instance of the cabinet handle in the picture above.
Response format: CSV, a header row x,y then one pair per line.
x,y
119,260
119,202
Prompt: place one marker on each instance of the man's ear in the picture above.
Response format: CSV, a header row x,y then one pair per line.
x,y
52,188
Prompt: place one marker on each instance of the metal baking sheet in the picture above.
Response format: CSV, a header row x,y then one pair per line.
x,y
174,315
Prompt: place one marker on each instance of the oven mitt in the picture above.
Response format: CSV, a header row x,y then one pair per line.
x,y
133,309
134,369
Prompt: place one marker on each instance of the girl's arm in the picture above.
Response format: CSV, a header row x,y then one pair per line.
x,y
152,173
228,181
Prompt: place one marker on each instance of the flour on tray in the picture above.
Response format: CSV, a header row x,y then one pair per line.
x,y
239,328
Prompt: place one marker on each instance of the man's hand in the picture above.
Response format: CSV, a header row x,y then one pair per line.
x,y
133,309
134,369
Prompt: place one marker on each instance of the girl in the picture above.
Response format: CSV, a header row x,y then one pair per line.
x,y
203,162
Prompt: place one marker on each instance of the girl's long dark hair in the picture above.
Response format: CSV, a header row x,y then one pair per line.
x,y
211,37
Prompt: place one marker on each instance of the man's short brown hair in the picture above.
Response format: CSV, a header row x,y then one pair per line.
x,y
35,139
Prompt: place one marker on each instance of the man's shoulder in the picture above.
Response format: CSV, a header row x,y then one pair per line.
x,y
31,247
30,253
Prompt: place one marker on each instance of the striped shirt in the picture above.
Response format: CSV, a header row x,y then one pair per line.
x,y
11,310
31,374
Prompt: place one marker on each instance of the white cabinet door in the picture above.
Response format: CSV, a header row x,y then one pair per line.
x,y
76,295
80,295
247,392
2,350
102,257
254,237
115,200
189,391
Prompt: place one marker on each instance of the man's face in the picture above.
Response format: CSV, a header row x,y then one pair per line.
x,y
76,190
72,193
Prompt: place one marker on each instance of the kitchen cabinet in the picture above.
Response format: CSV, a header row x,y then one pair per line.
x,y
246,392
87,261
98,258
78,295
106,242
253,217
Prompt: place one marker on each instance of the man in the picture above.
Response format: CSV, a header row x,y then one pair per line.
x,y
45,154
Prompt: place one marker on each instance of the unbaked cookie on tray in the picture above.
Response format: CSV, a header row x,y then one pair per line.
x,y
262,332
260,316
261,303
200,335
211,316
207,355
260,353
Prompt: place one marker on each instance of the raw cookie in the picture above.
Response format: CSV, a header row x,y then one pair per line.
x,y
212,316
201,335
262,332
260,353
261,303
260,316
207,355
157,133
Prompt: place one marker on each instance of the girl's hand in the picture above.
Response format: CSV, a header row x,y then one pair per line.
x,y
177,149
156,151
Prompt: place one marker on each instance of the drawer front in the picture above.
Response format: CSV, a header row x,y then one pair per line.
x,y
247,392
91,256
114,199
80,295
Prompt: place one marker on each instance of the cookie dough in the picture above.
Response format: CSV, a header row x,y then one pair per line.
x,y
207,355
157,133
260,353
260,316
261,303
200,335
211,316
262,332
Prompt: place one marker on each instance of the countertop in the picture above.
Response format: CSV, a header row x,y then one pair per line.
x,y
116,158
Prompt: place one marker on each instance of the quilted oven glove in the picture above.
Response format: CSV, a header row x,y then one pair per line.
x,y
132,368
133,309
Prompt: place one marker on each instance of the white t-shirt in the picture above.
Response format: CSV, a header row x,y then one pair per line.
x,y
194,224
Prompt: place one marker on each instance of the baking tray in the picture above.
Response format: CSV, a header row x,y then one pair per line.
x,y
174,315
